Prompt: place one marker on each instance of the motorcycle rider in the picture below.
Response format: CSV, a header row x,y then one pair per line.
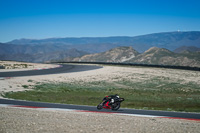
x,y
110,98
110,102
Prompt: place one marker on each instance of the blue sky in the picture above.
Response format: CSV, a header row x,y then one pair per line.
x,y
37,19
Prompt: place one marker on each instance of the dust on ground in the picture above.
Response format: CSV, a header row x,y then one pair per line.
x,y
21,120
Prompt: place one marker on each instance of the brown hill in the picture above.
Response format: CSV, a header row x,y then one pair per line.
x,y
160,56
120,54
154,56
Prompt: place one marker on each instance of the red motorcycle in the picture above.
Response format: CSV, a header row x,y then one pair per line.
x,y
109,104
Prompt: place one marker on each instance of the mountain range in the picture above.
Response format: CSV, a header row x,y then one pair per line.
x,y
168,40
71,48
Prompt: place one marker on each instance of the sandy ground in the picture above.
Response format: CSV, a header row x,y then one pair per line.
x,y
22,66
17,120
16,84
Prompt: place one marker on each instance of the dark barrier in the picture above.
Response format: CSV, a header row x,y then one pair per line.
x,y
143,65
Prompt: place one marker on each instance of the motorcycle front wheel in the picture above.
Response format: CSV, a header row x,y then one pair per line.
x,y
116,106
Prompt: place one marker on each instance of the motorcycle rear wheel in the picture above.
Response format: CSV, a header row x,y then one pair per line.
x,y
99,107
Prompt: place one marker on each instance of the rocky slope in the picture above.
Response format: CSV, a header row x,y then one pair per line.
x,y
160,56
187,48
155,56
120,54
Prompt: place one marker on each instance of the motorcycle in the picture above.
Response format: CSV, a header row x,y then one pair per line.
x,y
107,105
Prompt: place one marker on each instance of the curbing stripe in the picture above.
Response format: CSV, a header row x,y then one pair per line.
x,y
3,78
96,112
191,119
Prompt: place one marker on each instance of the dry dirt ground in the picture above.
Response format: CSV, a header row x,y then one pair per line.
x,y
22,66
17,120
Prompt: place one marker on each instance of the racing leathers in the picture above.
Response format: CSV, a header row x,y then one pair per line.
x,y
110,98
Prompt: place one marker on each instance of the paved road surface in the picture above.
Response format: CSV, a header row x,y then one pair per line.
x,y
62,69
94,109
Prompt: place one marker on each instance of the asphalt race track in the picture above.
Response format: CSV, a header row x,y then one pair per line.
x,y
30,104
78,68
62,69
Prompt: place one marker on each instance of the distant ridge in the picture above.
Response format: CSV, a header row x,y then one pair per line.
x,y
186,48
115,49
168,40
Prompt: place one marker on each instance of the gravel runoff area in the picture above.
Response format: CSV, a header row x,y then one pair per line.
x,y
25,120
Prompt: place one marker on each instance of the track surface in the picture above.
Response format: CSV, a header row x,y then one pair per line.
x,y
179,115
62,69
78,68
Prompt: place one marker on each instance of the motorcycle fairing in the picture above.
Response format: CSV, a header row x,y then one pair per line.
x,y
107,106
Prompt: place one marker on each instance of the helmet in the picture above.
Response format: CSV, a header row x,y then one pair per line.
x,y
117,95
